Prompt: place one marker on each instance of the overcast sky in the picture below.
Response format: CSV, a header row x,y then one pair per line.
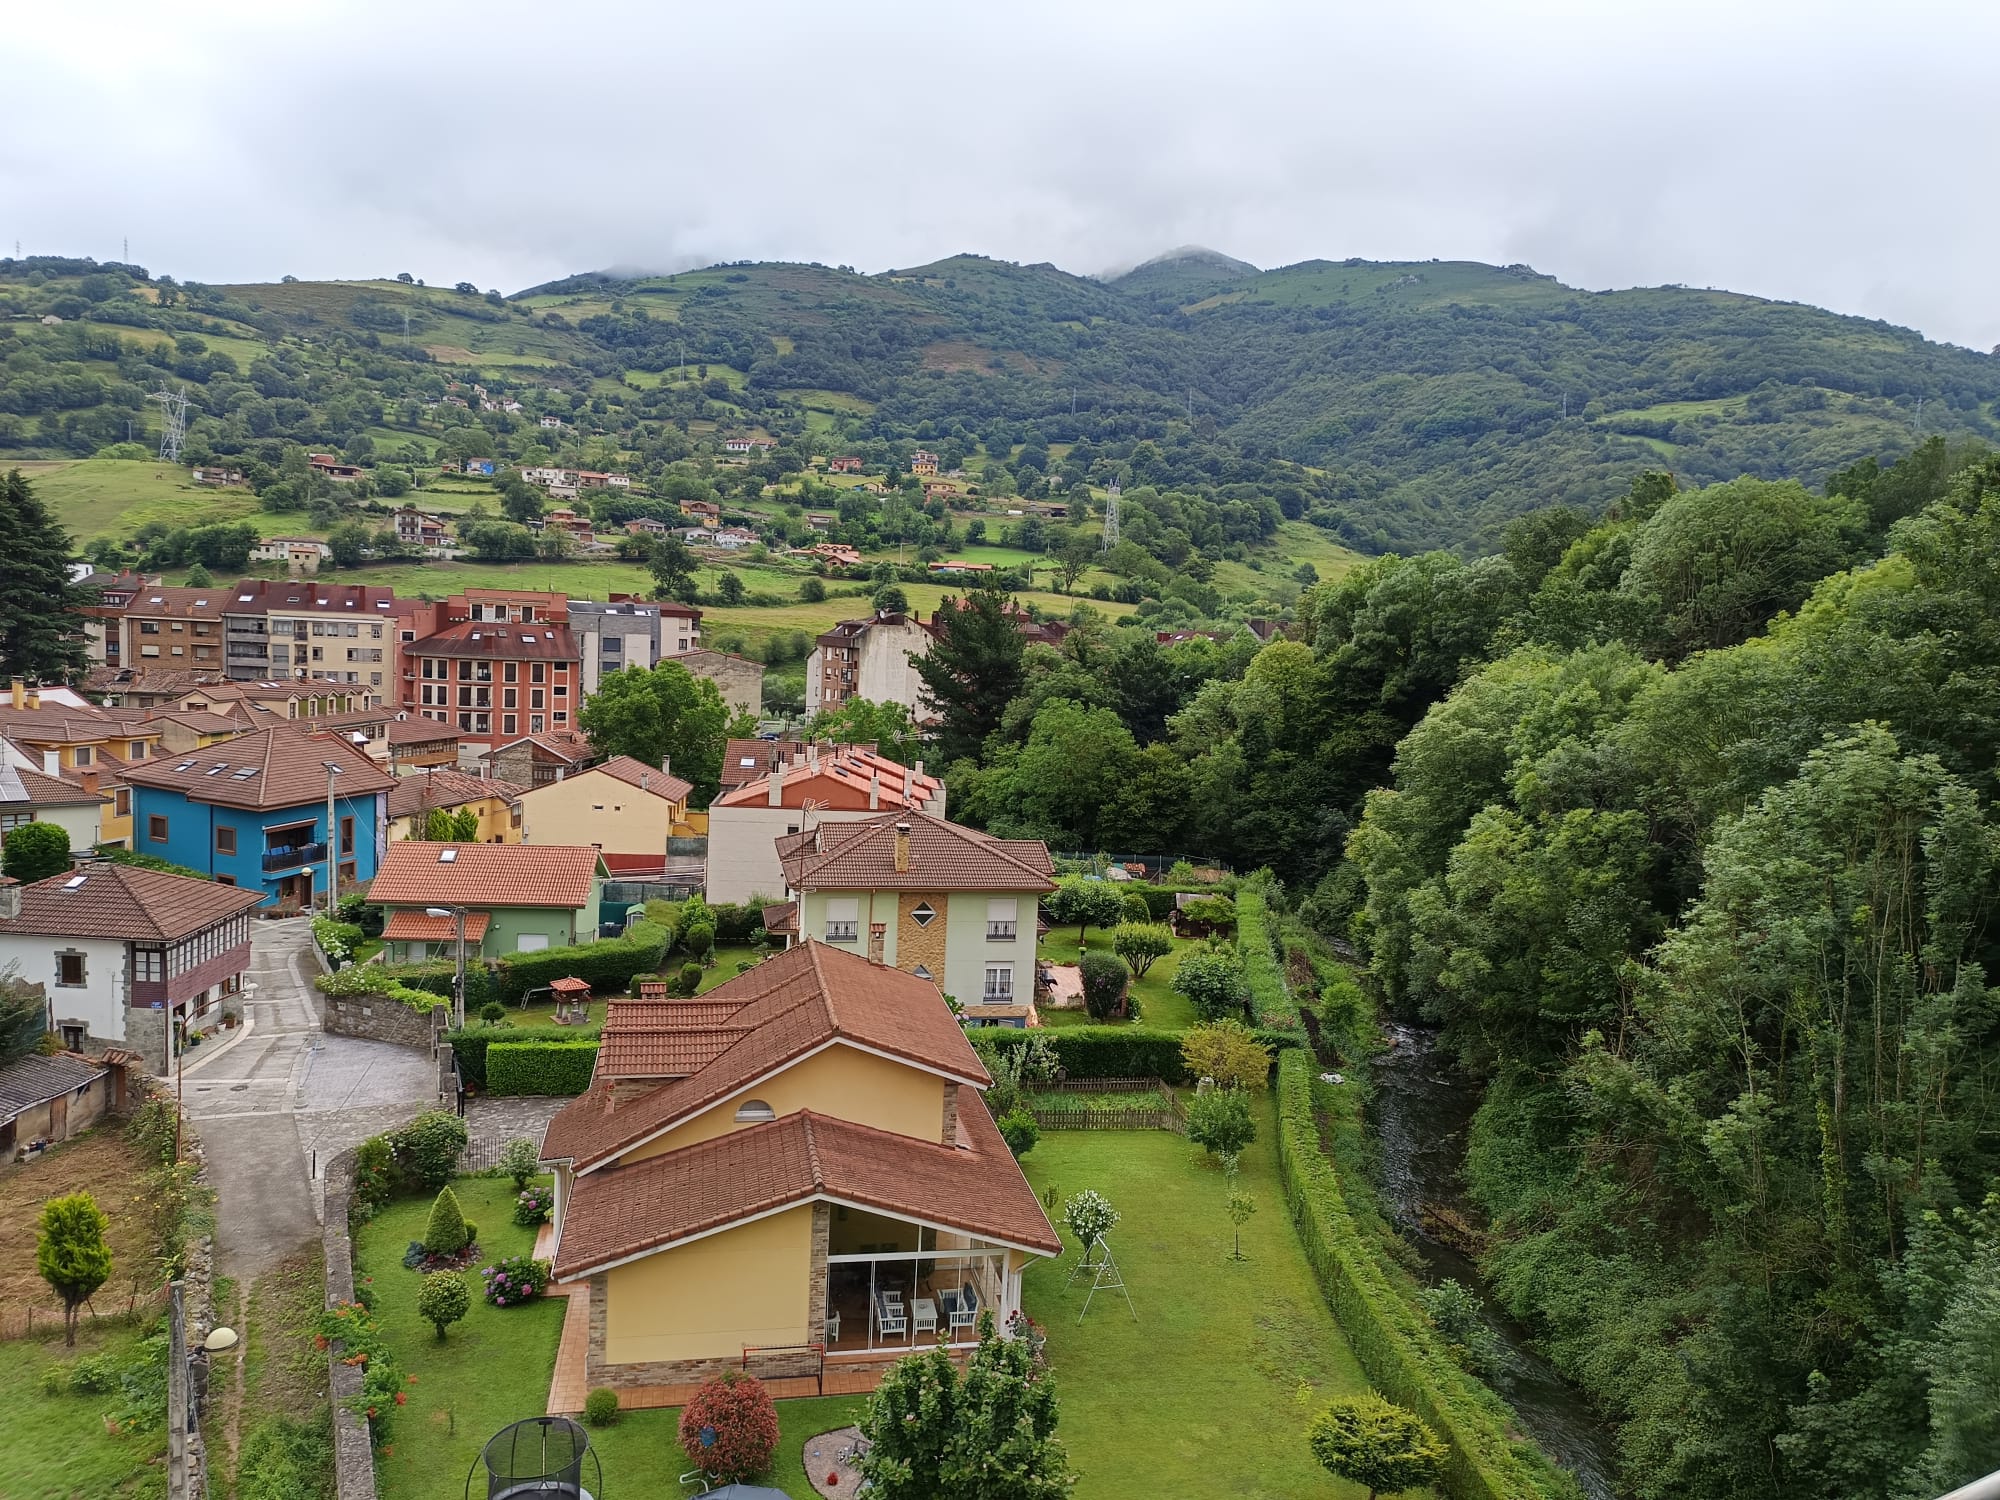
x,y
1837,152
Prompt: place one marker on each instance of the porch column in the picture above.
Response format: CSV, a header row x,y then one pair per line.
x,y
816,1281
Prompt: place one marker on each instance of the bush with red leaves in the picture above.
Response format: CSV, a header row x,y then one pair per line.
x,y
737,1410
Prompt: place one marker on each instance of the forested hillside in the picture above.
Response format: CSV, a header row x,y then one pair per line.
x,y
1395,405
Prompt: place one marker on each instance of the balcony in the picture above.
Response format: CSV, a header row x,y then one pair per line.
x,y
294,857
1000,932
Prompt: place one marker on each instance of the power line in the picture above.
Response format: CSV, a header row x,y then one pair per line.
x,y
175,406
1111,516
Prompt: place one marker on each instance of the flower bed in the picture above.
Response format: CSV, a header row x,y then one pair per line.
x,y
514,1279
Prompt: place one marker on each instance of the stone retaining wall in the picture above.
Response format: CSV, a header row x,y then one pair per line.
x,y
353,1456
383,1020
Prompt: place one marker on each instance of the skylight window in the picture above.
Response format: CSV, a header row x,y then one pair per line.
x,y
447,856
748,760
186,765
75,882
217,769
242,598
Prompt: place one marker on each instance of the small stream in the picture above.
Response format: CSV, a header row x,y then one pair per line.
x,y
1422,1108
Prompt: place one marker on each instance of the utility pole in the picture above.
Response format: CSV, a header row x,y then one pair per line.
x,y
332,843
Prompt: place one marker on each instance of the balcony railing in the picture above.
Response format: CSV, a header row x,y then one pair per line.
x,y
999,932
842,932
298,854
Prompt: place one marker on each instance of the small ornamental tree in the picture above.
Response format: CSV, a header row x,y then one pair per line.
x,y
1212,983
1376,1444
1104,984
730,1428
71,1255
1141,944
443,1299
1229,1052
445,1233
520,1160
1219,1119
1241,1208
1090,1217
35,851
1088,903
1019,1130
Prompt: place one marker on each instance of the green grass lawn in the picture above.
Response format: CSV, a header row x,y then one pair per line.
x,y
1158,1005
642,1455
56,1447
114,497
493,1368
1201,1395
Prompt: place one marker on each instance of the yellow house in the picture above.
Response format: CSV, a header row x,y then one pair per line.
x,y
794,1174
496,804
625,807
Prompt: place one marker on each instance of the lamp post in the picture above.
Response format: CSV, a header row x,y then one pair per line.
x,y
457,915
332,842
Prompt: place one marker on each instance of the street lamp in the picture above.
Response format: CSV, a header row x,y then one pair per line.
x,y
457,915
332,842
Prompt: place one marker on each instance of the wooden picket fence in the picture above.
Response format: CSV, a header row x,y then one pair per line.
x,y
39,1322
1153,1106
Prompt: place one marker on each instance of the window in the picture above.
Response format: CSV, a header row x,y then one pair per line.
x,y
1002,919
347,834
149,964
531,942
121,802
754,1112
73,1037
510,697
225,880
537,671
225,840
510,672
999,984
923,971
923,914
138,750
156,828
70,971
535,724
507,722
83,755
535,698
843,919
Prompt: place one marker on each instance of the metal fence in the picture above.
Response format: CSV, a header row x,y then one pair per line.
x,y
1148,866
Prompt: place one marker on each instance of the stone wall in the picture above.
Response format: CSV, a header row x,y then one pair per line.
x,y
382,1019
922,944
353,1456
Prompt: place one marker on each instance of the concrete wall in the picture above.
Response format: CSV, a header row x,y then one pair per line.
x,y
353,1454
954,948
383,1020
599,808
743,853
740,682
708,1299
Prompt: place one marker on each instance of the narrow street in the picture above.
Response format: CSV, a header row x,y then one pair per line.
x,y
284,1092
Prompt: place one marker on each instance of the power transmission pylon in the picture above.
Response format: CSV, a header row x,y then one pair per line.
x,y
175,405
1111,516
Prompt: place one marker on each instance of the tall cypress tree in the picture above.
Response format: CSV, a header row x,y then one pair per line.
x,y
972,670
41,627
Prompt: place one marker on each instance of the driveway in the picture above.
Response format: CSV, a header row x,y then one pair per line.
x,y
285,1092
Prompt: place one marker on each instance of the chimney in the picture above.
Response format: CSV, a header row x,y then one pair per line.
x,y
51,759
909,786
35,697
775,794
902,848
666,765
877,933
875,791
89,779
10,898
20,693
812,756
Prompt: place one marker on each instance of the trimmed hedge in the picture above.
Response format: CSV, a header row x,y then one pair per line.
x,y
470,1045
539,1067
1271,1002
1115,1051
607,964
375,979
1403,1354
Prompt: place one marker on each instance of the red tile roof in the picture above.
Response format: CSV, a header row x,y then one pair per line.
x,y
105,900
788,1006
278,767
409,924
858,771
861,856
416,731
532,641
444,787
636,773
974,1187
484,876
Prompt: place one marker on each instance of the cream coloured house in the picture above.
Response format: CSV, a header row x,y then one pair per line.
x,y
626,808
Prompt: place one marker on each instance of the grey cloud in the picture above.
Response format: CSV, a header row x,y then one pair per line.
x,y
1833,153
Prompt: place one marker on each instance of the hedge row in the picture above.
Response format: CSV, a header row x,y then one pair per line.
x,y
1271,1002
374,979
607,964
556,1067
1396,1344
1115,1051
470,1045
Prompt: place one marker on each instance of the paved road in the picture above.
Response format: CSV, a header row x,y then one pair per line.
x,y
284,1091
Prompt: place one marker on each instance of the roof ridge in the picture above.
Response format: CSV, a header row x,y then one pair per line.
x,y
806,1122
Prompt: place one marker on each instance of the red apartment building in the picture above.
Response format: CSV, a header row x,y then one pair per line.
x,y
496,664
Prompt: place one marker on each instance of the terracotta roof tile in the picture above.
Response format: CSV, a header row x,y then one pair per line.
x,y
855,770
790,1005
974,1187
417,731
409,924
444,787
636,773
105,900
285,767
861,856
484,876
533,640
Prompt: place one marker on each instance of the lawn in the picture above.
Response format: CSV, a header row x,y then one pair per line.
x,y
1158,1004
114,497
1202,1395
56,1447
642,1455
493,1368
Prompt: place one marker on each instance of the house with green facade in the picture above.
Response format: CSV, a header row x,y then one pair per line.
x,y
515,898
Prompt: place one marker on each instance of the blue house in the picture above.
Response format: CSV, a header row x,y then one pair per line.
x,y
253,812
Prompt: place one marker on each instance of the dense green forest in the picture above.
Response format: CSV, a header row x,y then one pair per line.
x,y
1397,405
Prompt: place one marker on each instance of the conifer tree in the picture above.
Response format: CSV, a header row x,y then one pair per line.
x,y
972,670
41,631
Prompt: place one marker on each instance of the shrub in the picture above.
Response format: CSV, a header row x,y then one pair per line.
x,y
1089,1216
70,1253
1220,1121
1228,1052
532,1206
1019,1130
374,1174
688,980
1212,983
1088,903
386,982
470,1046
1270,999
1104,983
520,1160
1376,1444
1210,911
1113,1051
600,1407
738,924
493,1013
335,939
1141,944
515,1279
551,1068
607,964
443,1299
1455,1311
427,1149
446,1233
738,1411
1134,907
35,851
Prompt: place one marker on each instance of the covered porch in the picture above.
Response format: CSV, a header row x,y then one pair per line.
x,y
895,1285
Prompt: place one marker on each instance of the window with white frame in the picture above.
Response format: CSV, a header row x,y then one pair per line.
x,y
923,914
1002,919
149,965
999,984
843,919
